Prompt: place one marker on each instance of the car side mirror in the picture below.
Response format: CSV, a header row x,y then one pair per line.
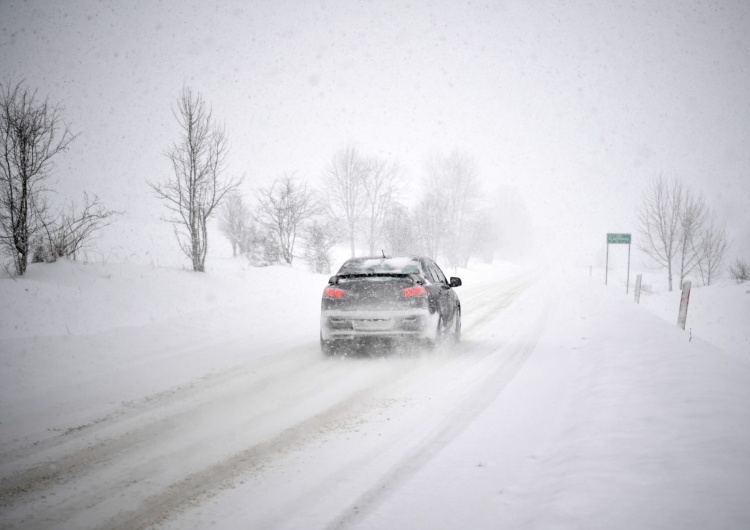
x,y
333,280
455,282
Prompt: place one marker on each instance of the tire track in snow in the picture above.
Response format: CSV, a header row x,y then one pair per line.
x,y
223,476
121,451
474,360
131,445
89,468
487,303
505,361
84,444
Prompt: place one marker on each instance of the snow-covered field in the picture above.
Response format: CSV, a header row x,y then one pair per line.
x,y
136,396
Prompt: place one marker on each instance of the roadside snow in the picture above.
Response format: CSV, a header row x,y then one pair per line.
x,y
617,420
718,313
614,418
79,340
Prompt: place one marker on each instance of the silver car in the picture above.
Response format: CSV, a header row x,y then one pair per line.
x,y
404,297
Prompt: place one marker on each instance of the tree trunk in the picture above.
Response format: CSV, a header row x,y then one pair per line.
x,y
669,274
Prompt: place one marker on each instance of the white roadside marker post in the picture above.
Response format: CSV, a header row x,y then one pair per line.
x,y
638,288
684,300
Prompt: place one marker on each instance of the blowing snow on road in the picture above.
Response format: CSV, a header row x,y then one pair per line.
x,y
565,404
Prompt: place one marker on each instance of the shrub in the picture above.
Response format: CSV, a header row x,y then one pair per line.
x,y
740,271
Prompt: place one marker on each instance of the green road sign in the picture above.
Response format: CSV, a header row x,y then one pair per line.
x,y
616,239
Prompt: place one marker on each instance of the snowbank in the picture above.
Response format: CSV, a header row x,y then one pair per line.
x,y
615,419
718,313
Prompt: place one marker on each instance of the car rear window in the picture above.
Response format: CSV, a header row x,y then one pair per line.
x,y
380,266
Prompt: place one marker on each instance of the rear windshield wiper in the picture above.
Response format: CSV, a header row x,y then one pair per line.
x,y
414,277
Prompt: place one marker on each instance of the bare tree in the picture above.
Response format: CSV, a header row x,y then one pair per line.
x,y
659,222
282,210
692,218
380,182
71,231
236,223
198,185
344,191
31,134
264,249
740,271
711,245
483,235
319,240
431,223
456,176
398,231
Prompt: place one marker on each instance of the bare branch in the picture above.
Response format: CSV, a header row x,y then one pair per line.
x,y
236,223
282,210
398,230
693,215
710,245
198,185
454,207
319,240
659,222
740,271
343,189
381,186
31,135
70,231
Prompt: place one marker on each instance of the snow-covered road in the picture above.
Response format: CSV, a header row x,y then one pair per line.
x,y
562,405
290,426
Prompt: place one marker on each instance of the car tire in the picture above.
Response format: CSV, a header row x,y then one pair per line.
x,y
457,326
328,347
436,341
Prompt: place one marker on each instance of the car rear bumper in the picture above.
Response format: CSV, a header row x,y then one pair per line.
x,y
413,323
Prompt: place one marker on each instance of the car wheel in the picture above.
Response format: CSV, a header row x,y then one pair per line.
x,y
328,347
457,326
437,340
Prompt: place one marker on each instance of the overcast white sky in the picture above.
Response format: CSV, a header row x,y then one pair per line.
x,y
569,106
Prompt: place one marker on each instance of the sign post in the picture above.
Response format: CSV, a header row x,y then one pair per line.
x,y
618,239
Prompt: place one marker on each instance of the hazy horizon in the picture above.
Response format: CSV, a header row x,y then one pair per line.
x,y
569,109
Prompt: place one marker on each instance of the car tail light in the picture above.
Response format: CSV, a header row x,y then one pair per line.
x,y
333,292
411,292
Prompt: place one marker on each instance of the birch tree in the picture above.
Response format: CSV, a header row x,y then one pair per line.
x,y
658,219
456,179
431,223
380,183
236,223
282,210
344,191
398,231
319,240
712,243
199,183
692,219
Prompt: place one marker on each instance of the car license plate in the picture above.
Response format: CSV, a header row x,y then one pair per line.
x,y
373,325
